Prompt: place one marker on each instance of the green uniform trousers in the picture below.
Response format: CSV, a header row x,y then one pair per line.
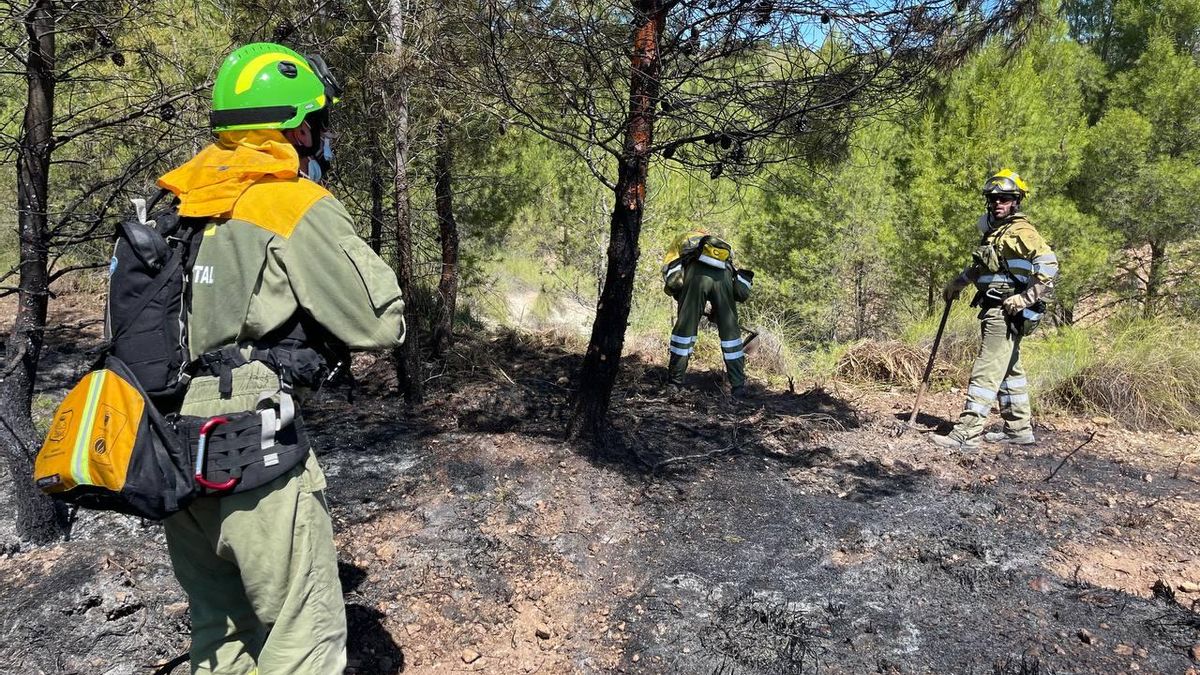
x,y
704,284
997,370
259,567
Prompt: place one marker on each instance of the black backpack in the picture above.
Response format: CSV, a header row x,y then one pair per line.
x,y
147,286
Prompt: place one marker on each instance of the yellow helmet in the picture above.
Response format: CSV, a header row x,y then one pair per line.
x,y
1006,182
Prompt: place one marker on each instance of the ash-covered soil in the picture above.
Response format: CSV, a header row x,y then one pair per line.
x,y
793,533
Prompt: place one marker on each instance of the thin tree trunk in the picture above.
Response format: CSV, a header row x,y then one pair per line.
x,y
1154,279
37,516
407,356
598,373
930,292
443,328
376,195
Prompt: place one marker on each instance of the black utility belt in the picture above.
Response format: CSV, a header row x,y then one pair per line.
x,y
241,451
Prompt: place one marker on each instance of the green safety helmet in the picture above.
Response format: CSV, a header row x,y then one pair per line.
x,y
1006,182
268,86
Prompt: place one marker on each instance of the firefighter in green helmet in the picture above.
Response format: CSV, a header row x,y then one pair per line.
x,y
280,279
1013,270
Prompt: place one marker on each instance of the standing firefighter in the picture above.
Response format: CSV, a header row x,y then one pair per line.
x,y
279,277
698,270
1013,270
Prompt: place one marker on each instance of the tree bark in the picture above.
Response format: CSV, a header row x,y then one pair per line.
x,y
601,363
407,356
1154,278
443,328
37,516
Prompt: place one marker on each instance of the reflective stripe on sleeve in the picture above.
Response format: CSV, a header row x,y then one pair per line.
x,y
1019,264
981,393
987,279
1031,315
1046,264
736,342
711,262
733,356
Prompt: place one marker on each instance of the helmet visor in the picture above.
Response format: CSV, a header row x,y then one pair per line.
x,y
1001,186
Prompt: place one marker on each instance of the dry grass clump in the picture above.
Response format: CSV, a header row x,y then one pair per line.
x,y
890,362
1146,375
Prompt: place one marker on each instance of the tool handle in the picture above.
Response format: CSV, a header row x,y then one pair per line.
x,y
201,453
937,341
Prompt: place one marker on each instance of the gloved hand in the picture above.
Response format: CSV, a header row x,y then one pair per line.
x,y
1013,304
952,290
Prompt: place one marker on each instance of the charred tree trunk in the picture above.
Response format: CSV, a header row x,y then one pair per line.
x,y
443,327
376,195
601,363
407,356
37,516
1154,278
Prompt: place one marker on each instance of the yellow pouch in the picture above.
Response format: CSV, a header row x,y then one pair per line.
x,y
109,449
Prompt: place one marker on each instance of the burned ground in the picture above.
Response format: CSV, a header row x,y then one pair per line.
x,y
793,533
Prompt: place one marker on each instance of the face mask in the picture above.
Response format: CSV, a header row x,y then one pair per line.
x,y
319,162
313,172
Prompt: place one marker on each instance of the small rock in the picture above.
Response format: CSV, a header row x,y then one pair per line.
x,y
1111,531
1110,502
1102,421
176,608
1195,652
542,631
1141,652
413,628
1149,478
1086,637
1040,584
636,658
1123,650
470,656
1189,587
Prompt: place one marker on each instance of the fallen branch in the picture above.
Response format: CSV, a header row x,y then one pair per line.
x,y
1069,455
684,458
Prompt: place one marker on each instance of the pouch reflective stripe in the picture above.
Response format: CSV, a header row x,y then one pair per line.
x,y
712,262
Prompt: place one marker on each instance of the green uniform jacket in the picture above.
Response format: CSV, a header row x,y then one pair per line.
x,y
1022,259
289,246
